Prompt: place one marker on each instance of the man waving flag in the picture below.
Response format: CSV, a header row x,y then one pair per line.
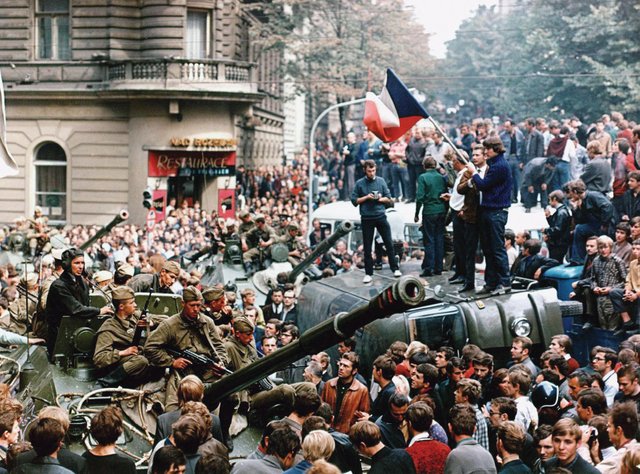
x,y
393,112
8,166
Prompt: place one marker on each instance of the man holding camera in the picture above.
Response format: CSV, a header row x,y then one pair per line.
x,y
372,195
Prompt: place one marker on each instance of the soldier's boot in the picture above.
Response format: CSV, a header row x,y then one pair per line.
x,y
248,268
112,379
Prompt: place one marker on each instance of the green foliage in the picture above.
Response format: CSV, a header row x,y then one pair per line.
x,y
548,58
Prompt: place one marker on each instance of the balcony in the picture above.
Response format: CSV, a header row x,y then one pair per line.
x,y
144,77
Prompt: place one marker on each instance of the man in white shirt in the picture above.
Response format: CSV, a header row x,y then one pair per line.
x,y
604,362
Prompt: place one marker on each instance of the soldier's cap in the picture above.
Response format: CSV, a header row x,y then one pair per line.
x,y
102,275
293,226
57,254
260,218
125,269
172,267
191,293
284,217
37,210
244,214
122,293
212,294
30,281
230,223
242,324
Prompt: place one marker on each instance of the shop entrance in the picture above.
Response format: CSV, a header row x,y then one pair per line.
x,y
187,188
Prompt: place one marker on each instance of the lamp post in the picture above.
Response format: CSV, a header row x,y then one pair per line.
x,y
312,148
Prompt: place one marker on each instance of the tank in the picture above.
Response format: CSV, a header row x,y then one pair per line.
x,y
397,297
122,216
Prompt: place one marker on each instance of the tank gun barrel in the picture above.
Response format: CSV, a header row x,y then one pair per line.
x,y
401,295
343,229
123,215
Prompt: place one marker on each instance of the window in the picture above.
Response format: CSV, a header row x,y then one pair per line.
x,y
52,18
197,46
51,181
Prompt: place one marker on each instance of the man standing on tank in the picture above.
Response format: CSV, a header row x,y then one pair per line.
x,y
372,194
495,199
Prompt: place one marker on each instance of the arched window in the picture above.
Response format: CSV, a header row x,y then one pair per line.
x,y
51,181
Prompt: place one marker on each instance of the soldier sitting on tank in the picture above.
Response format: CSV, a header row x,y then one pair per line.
x,y
257,242
115,349
124,273
25,306
69,296
39,233
160,282
104,282
39,323
186,330
246,224
295,246
283,226
217,308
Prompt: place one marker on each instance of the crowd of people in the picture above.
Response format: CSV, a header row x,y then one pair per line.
x,y
421,409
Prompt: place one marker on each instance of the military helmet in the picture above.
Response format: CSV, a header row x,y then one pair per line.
x,y
545,395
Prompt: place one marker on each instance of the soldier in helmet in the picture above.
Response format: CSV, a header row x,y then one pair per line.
x,y
292,240
23,309
246,224
69,296
114,345
191,330
160,282
257,240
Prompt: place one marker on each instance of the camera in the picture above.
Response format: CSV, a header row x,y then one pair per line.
x,y
376,194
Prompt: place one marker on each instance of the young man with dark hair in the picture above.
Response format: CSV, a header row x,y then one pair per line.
x,y
46,436
558,234
468,456
566,437
482,365
562,345
305,405
510,444
347,397
367,439
390,423
106,428
622,426
628,384
168,460
531,264
9,432
372,194
520,354
495,187
345,456
604,362
283,446
428,454
443,356
384,369
591,402
519,383
447,390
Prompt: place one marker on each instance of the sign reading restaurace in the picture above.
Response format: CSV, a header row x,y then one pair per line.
x,y
191,163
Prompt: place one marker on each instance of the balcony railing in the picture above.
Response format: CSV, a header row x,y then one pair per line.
x,y
183,70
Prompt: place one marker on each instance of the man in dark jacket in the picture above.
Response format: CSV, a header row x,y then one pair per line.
x,y
69,296
536,178
366,436
532,265
597,173
415,154
566,438
534,142
494,204
558,234
631,197
593,214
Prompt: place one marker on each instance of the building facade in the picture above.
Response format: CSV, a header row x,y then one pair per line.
x,y
105,99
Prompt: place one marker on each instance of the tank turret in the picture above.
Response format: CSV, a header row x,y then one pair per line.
x,y
123,215
342,229
399,296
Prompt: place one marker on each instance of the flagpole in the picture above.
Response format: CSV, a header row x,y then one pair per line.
x,y
448,140
312,149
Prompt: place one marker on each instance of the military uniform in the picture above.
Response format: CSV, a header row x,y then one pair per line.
x,y
293,243
143,282
254,237
245,227
200,335
20,321
116,334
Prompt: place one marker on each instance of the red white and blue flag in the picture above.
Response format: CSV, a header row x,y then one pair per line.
x,y
392,113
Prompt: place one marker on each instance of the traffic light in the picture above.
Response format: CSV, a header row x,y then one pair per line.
x,y
147,200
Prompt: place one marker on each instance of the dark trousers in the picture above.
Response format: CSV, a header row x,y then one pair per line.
x,y
561,176
386,175
589,303
470,245
514,165
433,239
492,223
458,243
369,226
557,252
580,235
414,173
619,305
531,199
400,180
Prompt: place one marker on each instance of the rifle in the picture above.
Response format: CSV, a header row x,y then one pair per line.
x,y
200,360
141,327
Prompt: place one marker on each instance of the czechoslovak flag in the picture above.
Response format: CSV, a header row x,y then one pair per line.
x,y
393,112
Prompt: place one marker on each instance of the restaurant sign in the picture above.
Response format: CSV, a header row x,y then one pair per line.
x,y
169,163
